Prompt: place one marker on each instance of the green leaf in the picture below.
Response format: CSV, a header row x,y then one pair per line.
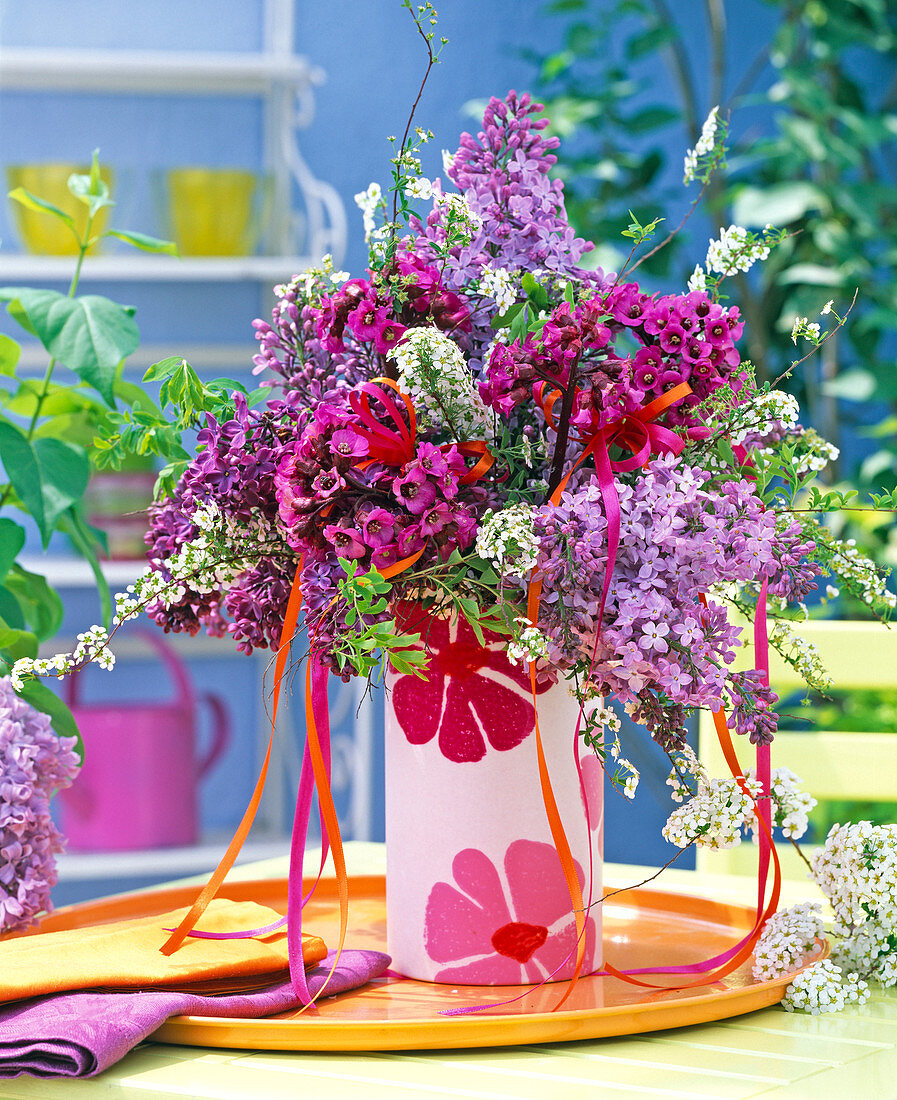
x,y
90,188
12,539
650,40
41,606
144,242
43,699
10,611
163,369
64,470
87,544
10,351
40,206
16,643
91,335
21,467
650,118
779,204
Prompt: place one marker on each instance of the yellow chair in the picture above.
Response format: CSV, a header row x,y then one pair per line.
x,y
833,765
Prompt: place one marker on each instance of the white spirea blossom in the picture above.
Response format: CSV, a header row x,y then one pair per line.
x,y
529,646
420,188
791,804
497,283
857,871
448,159
823,987
698,279
806,328
787,938
368,201
712,818
508,540
461,222
432,370
626,774
736,250
763,411
706,144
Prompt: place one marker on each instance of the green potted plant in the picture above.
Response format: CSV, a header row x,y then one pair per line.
x,y
49,427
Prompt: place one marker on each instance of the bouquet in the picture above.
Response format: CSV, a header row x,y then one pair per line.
x,y
479,416
484,428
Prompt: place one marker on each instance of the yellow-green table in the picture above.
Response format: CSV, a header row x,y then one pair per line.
x,y
771,1054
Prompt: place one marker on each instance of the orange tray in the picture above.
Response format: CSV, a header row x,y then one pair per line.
x,y
642,927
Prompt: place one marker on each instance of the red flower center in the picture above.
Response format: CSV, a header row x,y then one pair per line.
x,y
461,659
519,941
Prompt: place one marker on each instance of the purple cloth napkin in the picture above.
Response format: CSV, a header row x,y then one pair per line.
x,y
81,1034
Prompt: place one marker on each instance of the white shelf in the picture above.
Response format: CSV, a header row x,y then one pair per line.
x,y
64,572
154,71
151,268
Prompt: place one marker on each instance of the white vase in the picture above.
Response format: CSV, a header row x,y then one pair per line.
x,y
475,892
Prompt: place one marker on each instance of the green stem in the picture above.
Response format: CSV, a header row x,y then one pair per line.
x,y
83,246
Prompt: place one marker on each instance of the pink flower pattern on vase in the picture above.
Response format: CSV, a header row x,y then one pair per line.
x,y
504,940
473,694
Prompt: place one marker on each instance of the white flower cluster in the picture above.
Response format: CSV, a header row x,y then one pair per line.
x,y
497,283
857,871
508,539
625,773
790,803
698,279
801,653
604,715
736,250
763,411
198,563
314,278
368,202
855,566
787,938
823,987
420,188
461,223
706,145
806,328
816,453
92,645
432,370
529,646
687,771
712,818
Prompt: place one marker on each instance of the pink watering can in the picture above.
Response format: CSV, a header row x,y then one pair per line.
x,y
138,785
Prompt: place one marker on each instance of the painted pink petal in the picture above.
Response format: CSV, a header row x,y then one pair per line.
x,y
477,876
417,705
562,943
460,738
507,718
538,889
456,927
593,789
493,970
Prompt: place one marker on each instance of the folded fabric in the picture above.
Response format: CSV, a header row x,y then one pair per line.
x,y
81,1034
125,954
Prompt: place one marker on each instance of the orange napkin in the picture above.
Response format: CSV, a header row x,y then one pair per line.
x,y
125,954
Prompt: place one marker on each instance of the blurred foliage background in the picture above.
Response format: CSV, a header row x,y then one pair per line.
x,y
813,147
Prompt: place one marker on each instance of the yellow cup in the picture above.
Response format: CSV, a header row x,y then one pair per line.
x,y
214,211
39,231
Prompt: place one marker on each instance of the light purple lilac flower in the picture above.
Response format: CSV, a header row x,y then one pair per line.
x,y
34,764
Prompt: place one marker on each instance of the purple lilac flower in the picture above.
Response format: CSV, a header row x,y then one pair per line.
x,y
34,763
657,670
